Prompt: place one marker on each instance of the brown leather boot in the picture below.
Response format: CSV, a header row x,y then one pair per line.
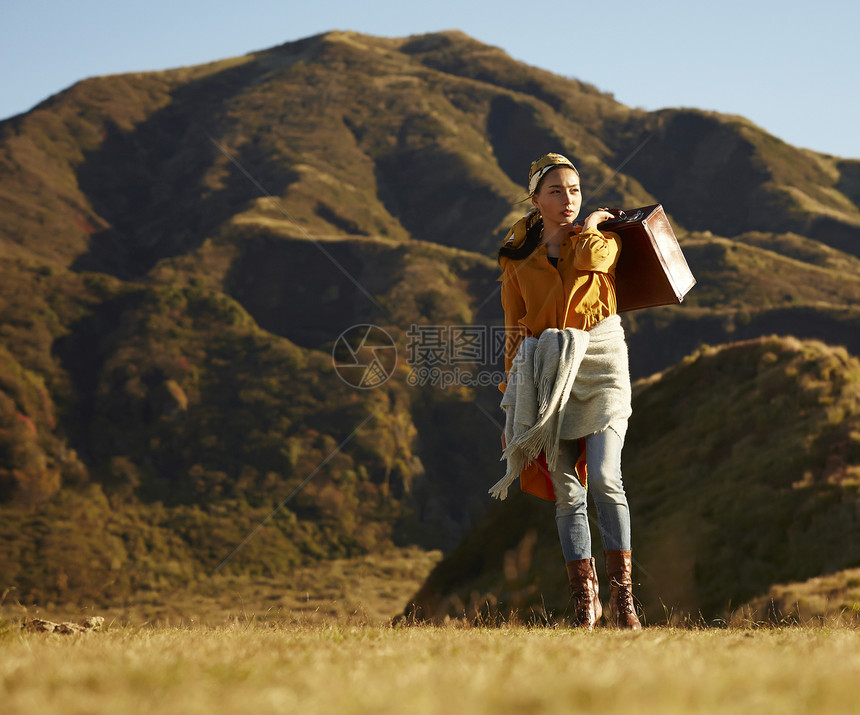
x,y
582,577
622,612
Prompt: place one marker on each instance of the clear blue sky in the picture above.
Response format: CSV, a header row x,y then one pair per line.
x,y
791,67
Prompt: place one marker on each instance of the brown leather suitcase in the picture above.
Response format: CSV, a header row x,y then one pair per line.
x,y
652,269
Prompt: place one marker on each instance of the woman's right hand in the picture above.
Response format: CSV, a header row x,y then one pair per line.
x,y
597,217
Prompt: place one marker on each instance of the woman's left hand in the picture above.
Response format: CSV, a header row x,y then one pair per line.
x,y
595,218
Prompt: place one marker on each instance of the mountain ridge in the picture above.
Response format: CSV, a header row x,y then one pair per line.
x,y
428,58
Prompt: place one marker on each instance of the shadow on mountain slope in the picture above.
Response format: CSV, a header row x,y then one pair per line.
x,y
152,184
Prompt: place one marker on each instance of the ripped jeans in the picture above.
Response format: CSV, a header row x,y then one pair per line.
x,y
603,453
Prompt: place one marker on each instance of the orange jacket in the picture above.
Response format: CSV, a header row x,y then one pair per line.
x,y
577,294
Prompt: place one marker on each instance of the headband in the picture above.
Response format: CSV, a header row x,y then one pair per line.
x,y
546,163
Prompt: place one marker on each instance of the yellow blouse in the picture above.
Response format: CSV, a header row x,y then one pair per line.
x,y
578,294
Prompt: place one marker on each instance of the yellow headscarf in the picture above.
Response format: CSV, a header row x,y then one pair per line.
x,y
546,163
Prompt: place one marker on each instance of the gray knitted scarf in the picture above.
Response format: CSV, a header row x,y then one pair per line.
x,y
566,384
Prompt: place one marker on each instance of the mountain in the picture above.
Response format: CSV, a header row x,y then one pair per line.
x,y
180,252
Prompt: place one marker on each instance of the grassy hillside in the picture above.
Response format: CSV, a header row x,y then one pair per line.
x,y
821,599
162,414
741,467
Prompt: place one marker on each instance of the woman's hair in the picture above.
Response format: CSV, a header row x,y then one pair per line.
x,y
527,247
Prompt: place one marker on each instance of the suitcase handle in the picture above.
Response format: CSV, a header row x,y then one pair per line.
x,y
621,218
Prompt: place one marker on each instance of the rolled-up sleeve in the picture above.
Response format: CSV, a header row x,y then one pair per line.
x,y
596,251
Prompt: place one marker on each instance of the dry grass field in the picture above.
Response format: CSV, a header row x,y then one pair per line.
x,y
289,667
320,642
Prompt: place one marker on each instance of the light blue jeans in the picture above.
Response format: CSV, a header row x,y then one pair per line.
x,y
603,454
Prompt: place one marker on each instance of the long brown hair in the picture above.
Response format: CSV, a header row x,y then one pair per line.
x,y
527,247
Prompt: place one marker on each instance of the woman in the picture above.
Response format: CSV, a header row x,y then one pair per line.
x,y
567,398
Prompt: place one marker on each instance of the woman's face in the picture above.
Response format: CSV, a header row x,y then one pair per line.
x,y
558,197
